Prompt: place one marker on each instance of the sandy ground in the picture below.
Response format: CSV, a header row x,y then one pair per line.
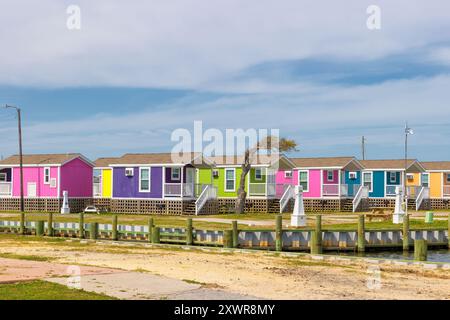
x,y
255,274
113,282
13,270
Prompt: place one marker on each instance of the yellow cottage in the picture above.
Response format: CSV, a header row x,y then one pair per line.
x,y
439,178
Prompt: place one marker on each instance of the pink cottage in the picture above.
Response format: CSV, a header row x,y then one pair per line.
x,y
46,176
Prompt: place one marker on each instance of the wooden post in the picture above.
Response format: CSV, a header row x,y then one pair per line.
x,y
40,228
405,233
189,235
235,234
22,223
361,234
93,230
50,224
448,231
227,238
313,248
114,227
318,234
279,233
156,235
81,226
150,227
420,250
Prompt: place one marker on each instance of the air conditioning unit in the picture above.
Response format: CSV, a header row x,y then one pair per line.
x,y
129,172
410,176
353,175
215,173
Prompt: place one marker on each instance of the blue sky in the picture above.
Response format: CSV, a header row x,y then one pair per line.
x,y
134,73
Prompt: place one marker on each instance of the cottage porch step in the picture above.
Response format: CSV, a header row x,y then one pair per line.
x,y
189,207
347,205
274,206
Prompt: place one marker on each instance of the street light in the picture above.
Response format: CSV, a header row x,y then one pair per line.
x,y
19,125
408,131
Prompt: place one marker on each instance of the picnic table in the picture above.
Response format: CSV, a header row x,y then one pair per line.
x,y
385,214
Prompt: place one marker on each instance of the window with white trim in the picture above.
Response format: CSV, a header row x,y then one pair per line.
x,y
3,177
330,175
230,180
393,177
448,177
425,180
258,174
368,180
303,180
144,179
288,174
176,174
46,175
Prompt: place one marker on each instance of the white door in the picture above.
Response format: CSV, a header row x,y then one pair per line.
x,y
31,189
190,178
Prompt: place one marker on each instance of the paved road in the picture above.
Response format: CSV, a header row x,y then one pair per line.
x,y
144,286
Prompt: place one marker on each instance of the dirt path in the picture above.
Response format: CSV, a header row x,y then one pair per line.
x,y
13,270
255,274
112,282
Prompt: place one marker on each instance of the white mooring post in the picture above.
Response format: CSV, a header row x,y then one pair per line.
x,y
298,218
65,206
399,212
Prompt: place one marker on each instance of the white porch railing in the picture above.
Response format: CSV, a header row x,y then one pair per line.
x,y
413,191
281,189
262,189
208,193
423,194
446,191
174,189
390,190
362,193
5,188
330,190
286,197
343,190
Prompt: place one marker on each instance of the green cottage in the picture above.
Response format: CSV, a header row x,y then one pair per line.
x,y
263,192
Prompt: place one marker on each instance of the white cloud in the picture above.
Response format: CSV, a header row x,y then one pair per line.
x,y
191,43
441,55
324,121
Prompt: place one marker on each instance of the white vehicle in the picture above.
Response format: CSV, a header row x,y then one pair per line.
x,y
91,209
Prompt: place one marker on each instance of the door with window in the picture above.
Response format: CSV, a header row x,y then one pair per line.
x,y
190,181
31,190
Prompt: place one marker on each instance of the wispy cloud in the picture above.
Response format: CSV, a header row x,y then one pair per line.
x,y
323,121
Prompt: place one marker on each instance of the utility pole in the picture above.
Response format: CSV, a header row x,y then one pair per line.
x,y
363,147
408,131
19,126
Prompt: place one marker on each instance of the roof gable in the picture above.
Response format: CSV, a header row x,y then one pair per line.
x,y
412,165
436,165
328,162
44,159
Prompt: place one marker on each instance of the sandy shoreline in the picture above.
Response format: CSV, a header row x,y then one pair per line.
x,y
256,274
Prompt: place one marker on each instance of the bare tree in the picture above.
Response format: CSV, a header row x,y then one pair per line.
x,y
269,144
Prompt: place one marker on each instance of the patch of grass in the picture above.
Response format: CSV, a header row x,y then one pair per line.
x,y
25,257
309,263
413,224
43,290
195,282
